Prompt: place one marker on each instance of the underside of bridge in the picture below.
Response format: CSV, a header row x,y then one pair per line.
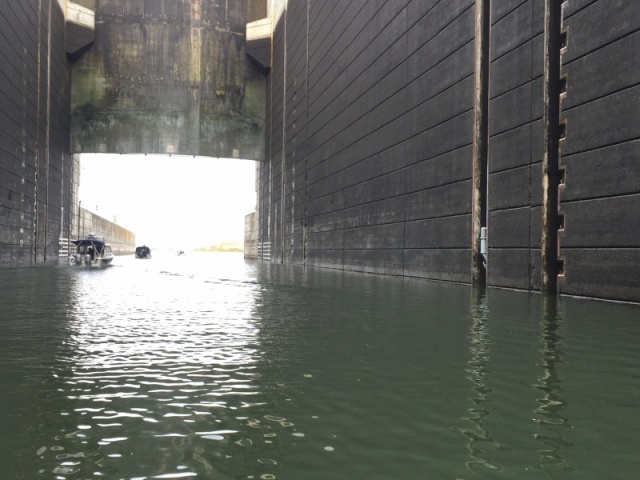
x,y
472,141
170,76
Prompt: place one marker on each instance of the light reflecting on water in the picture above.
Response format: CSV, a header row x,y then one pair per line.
x,y
478,374
554,426
207,366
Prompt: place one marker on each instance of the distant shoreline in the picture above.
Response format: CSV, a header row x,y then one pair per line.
x,y
223,247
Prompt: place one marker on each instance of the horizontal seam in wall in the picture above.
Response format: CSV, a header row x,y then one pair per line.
x,y
607,95
598,248
584,7
404,114
311,86
508,13
515,127
440,185
516,87
603,147
595,149
409,249
506,209
407,192
600,47
444,27
390,72
391,146
516,167
595,199
438,217
388,97
313,37
530,39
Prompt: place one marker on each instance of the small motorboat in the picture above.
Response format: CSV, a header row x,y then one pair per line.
x,y
143,252
91,251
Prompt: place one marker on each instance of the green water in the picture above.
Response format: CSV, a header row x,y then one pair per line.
x,y
210,367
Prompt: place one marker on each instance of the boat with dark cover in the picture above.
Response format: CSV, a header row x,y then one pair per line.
x,y
143,252
91,251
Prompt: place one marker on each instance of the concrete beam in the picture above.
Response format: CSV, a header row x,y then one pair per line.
x,y
80,28
259,42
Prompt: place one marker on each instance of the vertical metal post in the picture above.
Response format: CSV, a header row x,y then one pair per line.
x,y
480,138
306,148
34,233
550,160
283,164
47,139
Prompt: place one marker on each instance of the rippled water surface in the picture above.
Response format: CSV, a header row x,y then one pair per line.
x,y
210,367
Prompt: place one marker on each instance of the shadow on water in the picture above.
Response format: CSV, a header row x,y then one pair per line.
x,y
33,332
548,416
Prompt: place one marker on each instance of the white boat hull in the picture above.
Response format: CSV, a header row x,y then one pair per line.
x,y
80,260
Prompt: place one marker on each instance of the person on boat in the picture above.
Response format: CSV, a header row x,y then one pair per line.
x,y
91,253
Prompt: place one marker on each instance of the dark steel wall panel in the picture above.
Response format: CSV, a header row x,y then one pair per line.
x,y
35,160
450,265
295,133
515,144
370,260
276,113
387,88
600,197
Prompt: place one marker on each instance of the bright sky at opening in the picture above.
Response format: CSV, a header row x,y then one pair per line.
x,y
173,201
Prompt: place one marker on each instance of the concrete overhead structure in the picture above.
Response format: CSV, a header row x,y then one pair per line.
x,y
80,28
170,77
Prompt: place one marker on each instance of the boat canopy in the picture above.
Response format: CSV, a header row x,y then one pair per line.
x,y
90,240
85,244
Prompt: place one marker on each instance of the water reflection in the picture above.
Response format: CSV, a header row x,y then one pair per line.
x,y
478,373
548,416
190,367
170,364
32,334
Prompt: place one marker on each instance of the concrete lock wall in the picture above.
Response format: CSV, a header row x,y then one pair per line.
x,y
122,241
35,160
396,130
251,239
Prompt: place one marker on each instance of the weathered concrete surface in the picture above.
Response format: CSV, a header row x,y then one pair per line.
x,y
85,222
251,236
169,76
372,126
35,163
80,28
